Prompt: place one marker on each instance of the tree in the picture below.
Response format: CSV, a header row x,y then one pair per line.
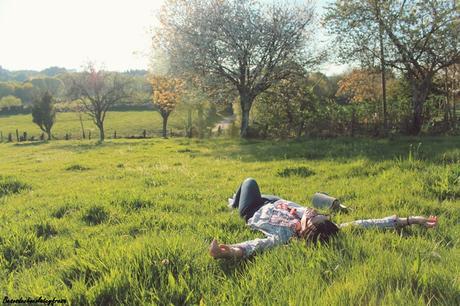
x,y
420,38
6,89
9,101
166,93
300,105
241,43
26,92
98,90
360,85
43,113
52,85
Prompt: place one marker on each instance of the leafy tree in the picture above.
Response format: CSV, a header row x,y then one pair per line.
x,y
141,90
243,44
26,92
52,85
361,88
420,38
98,90
360,85
43,113
6,89
294,107
166,94
9,101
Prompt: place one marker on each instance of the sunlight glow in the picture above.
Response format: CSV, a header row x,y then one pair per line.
x,y
69,33
115,34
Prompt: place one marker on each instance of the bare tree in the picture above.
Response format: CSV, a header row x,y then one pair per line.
x,y
98,90
420,38
241,43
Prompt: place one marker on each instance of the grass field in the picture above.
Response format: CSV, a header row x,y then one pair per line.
x,y
125,123
130,221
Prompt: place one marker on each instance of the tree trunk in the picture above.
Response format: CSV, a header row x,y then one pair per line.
x,y
419,94
48,132
189,123
201,125
454,114
384,98
382,69
300,129
82,128
165,124
353,118
100,125
452,98
246,103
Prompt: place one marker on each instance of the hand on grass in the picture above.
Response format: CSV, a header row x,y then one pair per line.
x,y
430,222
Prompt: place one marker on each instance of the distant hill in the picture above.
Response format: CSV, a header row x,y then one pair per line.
x,y
25,75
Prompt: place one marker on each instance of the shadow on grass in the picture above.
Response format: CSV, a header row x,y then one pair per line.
x,y
432,149
234,267
426,149
83,147
31,143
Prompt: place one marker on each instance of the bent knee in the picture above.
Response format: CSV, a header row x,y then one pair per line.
x,y
250,181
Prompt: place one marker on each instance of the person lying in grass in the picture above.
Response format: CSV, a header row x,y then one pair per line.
x,y
281,220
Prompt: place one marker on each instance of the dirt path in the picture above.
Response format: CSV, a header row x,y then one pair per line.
x,y
225,123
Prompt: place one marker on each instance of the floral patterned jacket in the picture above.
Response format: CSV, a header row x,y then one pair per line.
x,y
278,222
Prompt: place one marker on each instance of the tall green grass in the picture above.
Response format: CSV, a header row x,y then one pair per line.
x,y
130,221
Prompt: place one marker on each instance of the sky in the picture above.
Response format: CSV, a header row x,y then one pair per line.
x,y
37,34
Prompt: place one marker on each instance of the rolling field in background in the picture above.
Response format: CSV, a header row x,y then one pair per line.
x,y
125,123
130,221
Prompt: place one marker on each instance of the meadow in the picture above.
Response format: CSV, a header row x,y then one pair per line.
x,y
125,123
130,221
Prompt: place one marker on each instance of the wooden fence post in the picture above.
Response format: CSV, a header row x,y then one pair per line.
x,y
17,135
144,133
1,136
89,135
10,137
115,134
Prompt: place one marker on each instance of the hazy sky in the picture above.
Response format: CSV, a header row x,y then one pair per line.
x,y
36,34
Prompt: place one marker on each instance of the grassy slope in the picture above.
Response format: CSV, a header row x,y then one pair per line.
x,y
126,123
130,221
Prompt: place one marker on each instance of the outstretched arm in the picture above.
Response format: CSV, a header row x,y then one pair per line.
x,y
243,249
394,222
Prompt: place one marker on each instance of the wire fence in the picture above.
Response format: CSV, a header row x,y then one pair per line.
x,y
22,136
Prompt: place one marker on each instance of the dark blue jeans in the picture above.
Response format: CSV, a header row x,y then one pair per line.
x,y
248,198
